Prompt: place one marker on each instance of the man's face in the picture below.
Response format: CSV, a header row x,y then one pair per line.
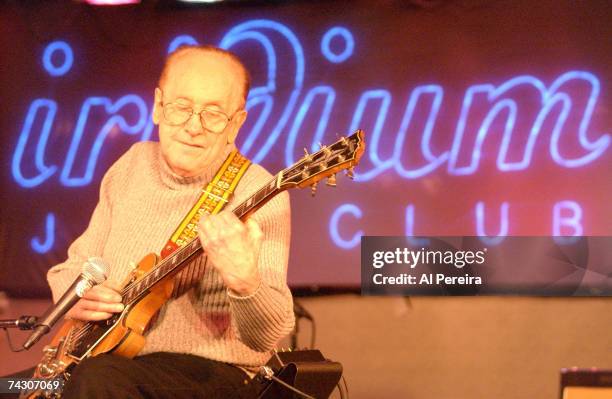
x,y
198,80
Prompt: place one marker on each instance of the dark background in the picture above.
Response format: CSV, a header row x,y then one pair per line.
x,y
398,47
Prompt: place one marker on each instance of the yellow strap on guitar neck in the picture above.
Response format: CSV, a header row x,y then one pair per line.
x,y
214,197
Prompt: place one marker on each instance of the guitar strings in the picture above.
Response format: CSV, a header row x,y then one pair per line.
x,y
131,285
79,333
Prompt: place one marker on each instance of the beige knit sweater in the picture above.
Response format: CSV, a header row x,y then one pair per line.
x,y
141,203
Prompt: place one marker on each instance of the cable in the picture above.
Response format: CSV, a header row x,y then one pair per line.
x,y
301,313
283,383
341,390
313,333
345,386
8,338
344,393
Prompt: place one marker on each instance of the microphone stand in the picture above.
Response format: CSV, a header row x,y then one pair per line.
x,y
22,323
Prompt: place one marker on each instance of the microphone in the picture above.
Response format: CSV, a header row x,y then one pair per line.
x,y
94,272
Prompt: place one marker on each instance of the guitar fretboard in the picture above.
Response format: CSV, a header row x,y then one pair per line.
x,y
181,257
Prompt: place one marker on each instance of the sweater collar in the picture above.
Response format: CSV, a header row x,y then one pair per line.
x,y
178,182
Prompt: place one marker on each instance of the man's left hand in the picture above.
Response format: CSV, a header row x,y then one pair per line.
x,y
233,249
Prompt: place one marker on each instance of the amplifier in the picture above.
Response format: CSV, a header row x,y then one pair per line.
x,y
305,370
586,384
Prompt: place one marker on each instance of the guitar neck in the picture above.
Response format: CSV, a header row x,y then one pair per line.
x,y
310,169
182,256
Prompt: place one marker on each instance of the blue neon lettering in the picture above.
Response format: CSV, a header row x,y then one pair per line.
x,y
116,119
503,224
349,44
44,172
334,223
264,103
44,246
433,161
181,40
568,102
249,31
414,241
64,67
596,147
567,214
549,98
375,133
329,96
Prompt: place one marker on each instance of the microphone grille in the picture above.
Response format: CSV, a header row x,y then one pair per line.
x,y
97,269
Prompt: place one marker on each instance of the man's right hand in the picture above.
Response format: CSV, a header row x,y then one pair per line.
x,y
98,303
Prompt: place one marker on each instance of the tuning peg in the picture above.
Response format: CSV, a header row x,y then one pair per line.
x,y
313,189
350,173
331,181
325,149
306,152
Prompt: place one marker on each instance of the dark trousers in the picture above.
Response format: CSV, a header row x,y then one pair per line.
x,y
158,375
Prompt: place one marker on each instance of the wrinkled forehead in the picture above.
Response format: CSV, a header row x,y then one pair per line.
x,y
205,78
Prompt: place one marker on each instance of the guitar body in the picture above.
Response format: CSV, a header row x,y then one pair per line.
x,y
122,335
127,337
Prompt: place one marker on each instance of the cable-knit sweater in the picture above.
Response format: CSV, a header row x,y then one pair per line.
x,y
141,203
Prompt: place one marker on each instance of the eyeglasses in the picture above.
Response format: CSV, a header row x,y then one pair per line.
x,y
211,119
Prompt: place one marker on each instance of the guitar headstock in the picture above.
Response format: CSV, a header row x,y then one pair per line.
x,y
344,154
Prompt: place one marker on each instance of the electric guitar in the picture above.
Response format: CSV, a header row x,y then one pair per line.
x,y
150,285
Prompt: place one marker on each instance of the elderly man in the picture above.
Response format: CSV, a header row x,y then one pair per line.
x,y
227,310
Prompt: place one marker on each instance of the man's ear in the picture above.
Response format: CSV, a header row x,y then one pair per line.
x,y
236,124
157,106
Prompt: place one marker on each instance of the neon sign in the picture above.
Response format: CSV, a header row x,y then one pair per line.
x,y
566,216
58,49
566,104
44,245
